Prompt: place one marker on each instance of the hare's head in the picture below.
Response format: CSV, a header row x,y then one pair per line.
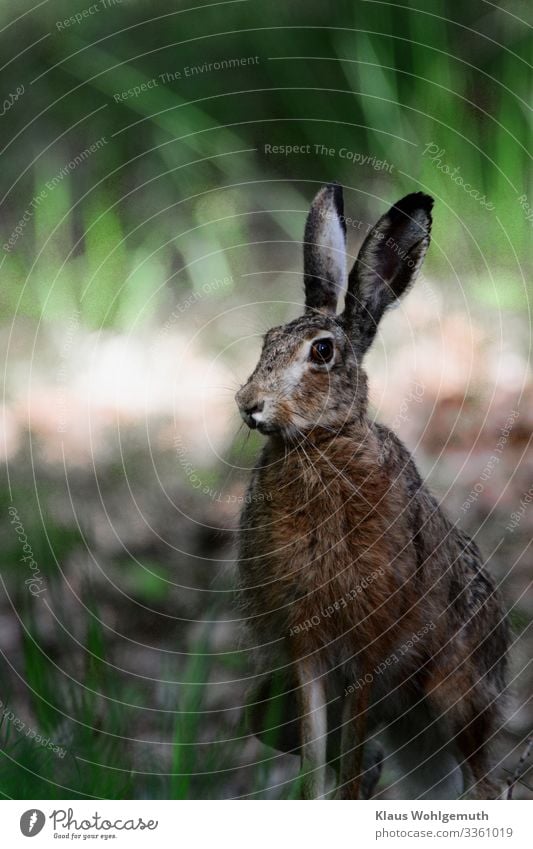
x,y
309,374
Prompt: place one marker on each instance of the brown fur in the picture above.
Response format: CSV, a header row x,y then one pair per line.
x,y
340,532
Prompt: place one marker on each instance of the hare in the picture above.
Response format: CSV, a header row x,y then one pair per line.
x,y
369,610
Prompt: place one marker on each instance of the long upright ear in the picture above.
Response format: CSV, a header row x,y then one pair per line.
x,y
325,251
387,264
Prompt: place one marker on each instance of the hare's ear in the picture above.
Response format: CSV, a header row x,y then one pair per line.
x,y
387,264
325,251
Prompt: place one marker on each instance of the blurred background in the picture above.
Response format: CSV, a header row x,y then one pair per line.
x,y
158,162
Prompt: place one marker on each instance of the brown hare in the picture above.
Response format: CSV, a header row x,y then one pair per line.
x,y
370,612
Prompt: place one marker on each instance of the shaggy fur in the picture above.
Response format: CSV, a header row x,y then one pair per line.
x,y
367,607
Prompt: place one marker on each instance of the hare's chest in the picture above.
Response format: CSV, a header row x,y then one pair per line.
x,y
311,540
326,541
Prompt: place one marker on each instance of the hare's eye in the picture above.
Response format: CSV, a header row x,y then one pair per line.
x,y
321,351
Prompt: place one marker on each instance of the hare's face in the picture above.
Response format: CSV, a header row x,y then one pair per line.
x,y
309,374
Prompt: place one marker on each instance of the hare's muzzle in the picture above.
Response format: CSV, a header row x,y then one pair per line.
x,y
252,414
250,407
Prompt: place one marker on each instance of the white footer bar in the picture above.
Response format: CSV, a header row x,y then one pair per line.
x,y
268,825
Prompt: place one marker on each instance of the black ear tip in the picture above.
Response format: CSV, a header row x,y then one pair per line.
x,y
416,200
425,201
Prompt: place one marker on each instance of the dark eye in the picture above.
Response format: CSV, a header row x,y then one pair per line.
x,y
322,351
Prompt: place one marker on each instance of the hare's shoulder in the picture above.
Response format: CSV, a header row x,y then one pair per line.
x,y
444,551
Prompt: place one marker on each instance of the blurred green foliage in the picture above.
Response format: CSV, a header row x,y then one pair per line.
x,y
380,79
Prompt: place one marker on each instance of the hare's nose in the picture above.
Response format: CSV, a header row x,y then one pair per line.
x,y
258,407
250,411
